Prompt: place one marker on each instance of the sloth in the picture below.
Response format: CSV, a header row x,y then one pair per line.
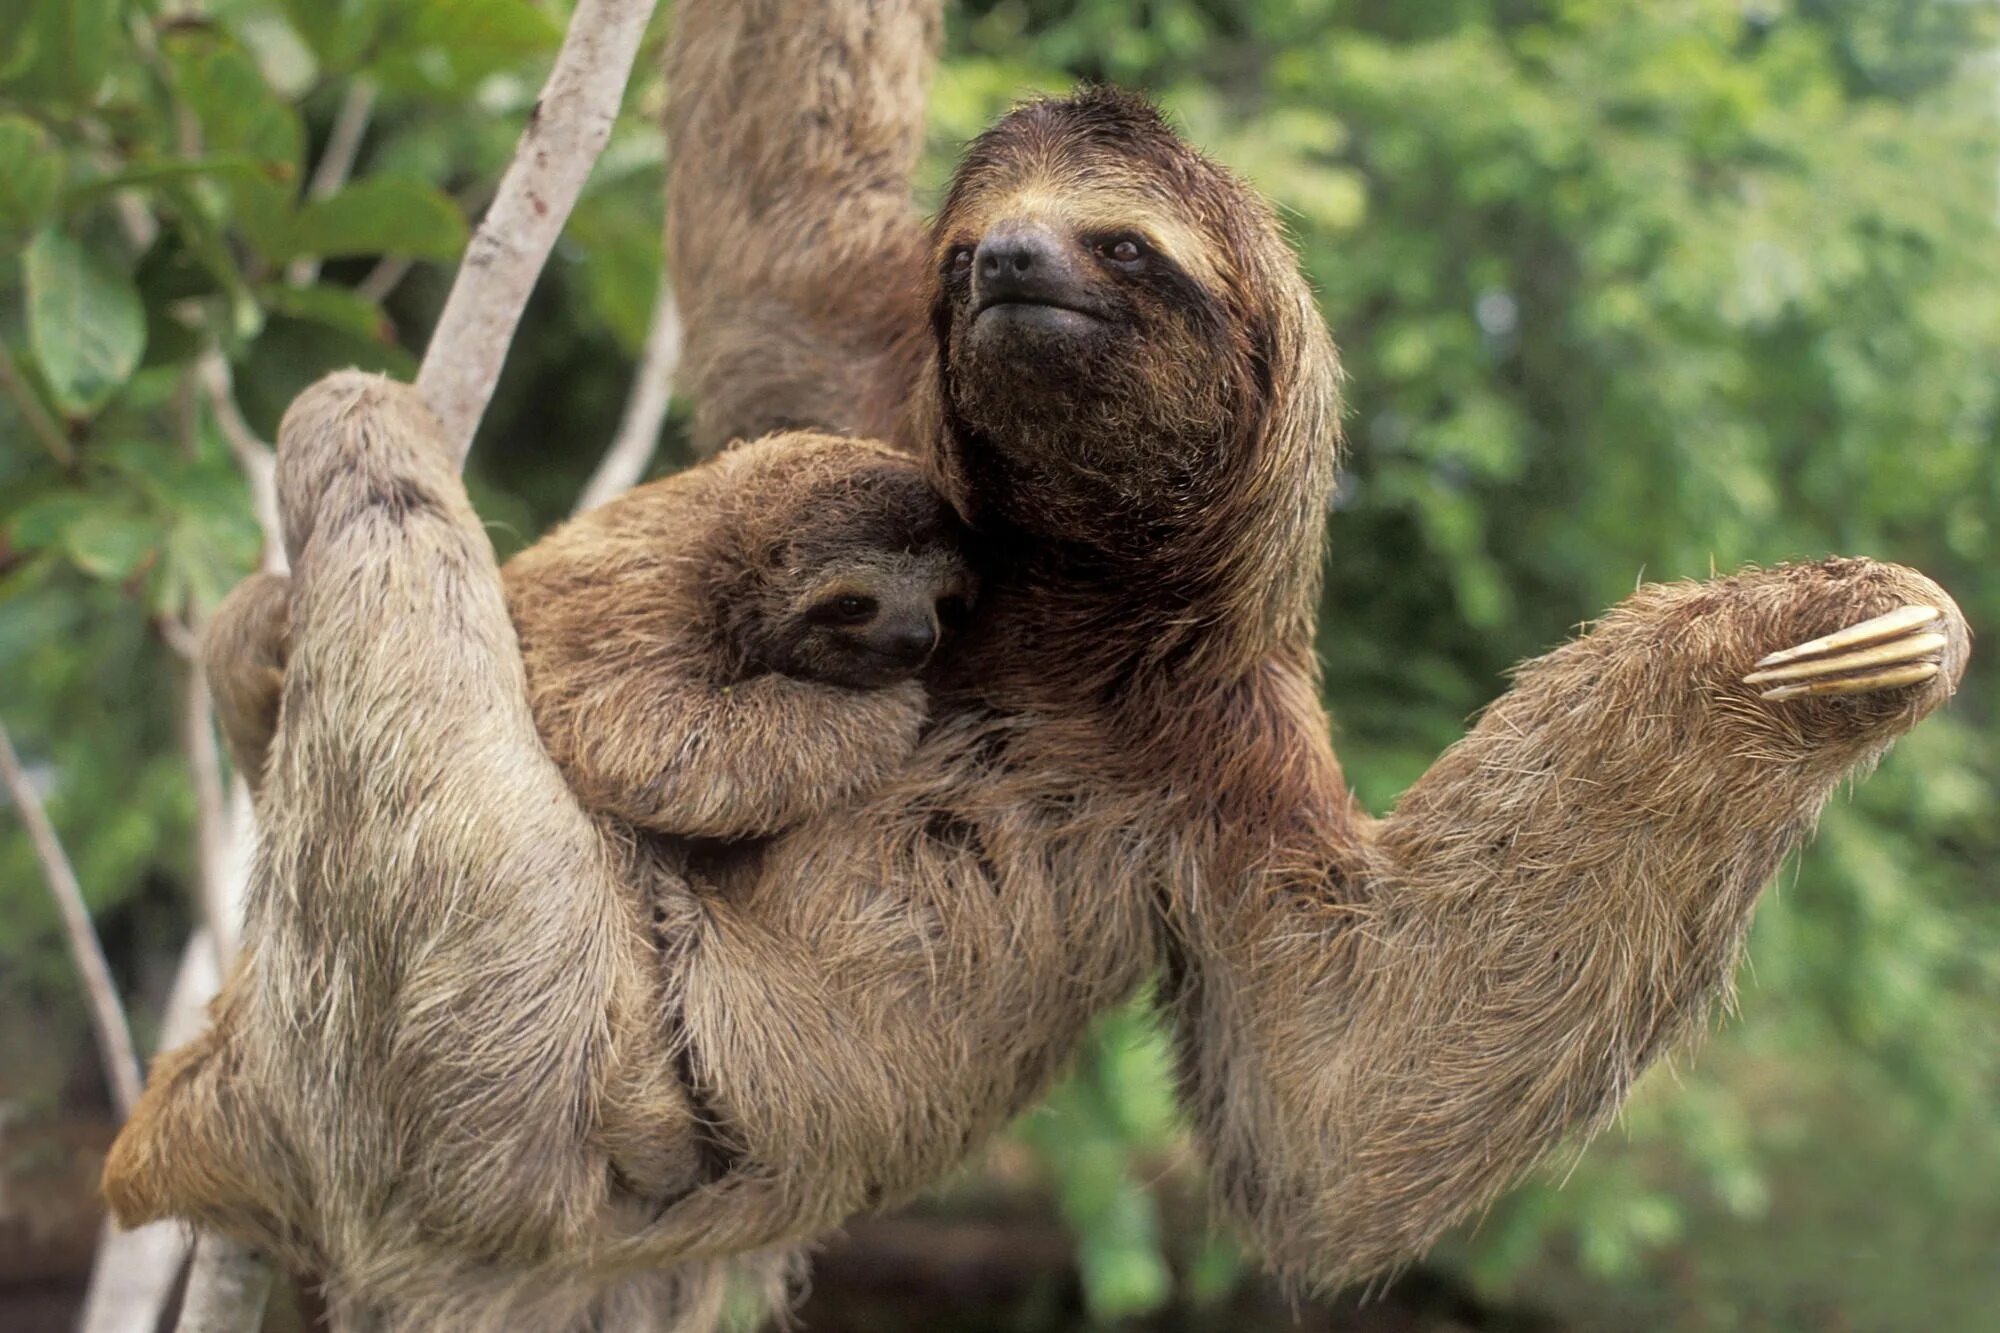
x,y
718,654
454,1025
732,650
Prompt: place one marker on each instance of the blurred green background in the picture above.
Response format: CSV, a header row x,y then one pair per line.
x,y
1626,288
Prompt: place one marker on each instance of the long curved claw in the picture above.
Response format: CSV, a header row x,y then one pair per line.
x,y
1884,653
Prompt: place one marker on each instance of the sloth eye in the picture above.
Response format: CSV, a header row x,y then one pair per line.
x,y
850,608
961,259
952,610
1123,250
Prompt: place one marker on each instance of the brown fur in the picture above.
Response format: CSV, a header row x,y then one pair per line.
x,y
674,674
448,996
674,670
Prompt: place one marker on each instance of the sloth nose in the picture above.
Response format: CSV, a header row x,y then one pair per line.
x,y
908,641
1024,261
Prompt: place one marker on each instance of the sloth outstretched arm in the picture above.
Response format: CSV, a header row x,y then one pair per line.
x,y
1372,1055
793,127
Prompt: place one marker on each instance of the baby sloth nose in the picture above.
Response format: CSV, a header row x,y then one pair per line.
x,y
1024,261
907,640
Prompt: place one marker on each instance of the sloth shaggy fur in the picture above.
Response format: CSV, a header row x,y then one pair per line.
x,y
489,1063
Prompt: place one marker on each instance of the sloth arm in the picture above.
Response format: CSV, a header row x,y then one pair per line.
x,y
665,747
423,863
1398,1017
243,649
793,127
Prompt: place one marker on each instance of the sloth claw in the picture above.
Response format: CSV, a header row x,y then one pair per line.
x,y
1887,652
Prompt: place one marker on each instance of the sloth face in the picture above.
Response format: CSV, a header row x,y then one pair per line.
x,y
871,620
1095,351
859,584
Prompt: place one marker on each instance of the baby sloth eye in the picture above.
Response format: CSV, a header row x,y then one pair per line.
x,y
1122,250
952,610
849,608
961,259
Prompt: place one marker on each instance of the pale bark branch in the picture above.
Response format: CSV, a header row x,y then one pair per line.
x,y
212,830
135,1270
256,458
336,164
107,1013
566,131
227,1287
388,273
645,409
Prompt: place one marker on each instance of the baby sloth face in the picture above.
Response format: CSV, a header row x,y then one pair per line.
x,y
870,619
856,578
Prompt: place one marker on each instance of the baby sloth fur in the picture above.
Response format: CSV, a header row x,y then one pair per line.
x,y
725,652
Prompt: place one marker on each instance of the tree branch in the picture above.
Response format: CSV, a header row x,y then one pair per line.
x,y
212,830
388,273
336,164
566,131
227,1287
135,1270
257,459
107,1014
652,390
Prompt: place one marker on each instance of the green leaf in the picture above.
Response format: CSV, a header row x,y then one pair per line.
x,y
338,31
240,114
85,322
238,111
108,544
30,175
17,45
447,46
64,48
383,215
335,307
235,166
41,523
207,246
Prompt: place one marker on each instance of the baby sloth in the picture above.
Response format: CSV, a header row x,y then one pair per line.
x,y
731,650
719,654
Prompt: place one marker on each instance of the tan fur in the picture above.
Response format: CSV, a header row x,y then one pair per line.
x,y
640,624
243,649
453,1001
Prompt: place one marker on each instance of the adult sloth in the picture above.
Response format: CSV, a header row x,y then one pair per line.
x,y
447,1051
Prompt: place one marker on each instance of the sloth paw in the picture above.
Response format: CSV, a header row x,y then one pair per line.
x,y
1888,652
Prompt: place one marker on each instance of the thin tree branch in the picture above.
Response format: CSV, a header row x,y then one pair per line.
x,y
212,831
257,459
343,141
185,644
135,1270
227,1287
645,409
566,131
107,1014
388,273
336,164
132,1275
40,424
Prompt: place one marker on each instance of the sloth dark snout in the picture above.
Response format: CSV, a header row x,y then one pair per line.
x,y
1030,264
907,640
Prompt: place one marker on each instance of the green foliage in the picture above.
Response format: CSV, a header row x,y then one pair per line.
x,y
1625,289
